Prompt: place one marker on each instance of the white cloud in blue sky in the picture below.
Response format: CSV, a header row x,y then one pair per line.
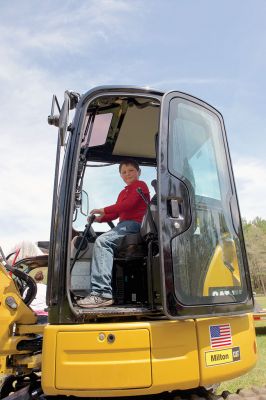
x,y
213,50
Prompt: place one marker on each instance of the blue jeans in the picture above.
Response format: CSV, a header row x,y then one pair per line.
x,y
103,255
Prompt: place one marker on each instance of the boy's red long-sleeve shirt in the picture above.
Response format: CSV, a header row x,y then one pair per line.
x,y
129,204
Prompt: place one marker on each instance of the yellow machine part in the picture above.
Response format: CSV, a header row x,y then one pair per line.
x,y
119,358
218,273
138,358
10,318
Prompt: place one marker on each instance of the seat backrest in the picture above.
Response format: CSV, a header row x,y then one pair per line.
x,y
149,225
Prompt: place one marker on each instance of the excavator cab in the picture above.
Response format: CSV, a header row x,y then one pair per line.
x,y
181,316
189,259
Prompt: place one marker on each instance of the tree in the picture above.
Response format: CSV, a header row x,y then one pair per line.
x,y
255,238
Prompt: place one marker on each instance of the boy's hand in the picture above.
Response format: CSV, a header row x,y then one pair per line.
x,y
99,212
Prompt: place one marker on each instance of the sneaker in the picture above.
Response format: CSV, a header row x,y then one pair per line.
x,y
93,301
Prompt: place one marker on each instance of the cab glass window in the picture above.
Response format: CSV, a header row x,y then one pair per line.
x,y
207,262
96,129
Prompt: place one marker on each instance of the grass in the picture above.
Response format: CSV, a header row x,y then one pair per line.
x,y
261,300
257,376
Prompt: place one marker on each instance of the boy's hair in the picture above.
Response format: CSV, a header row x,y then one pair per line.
x,y
130,161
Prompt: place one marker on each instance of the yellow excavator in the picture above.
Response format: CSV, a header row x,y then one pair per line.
x,y
181,321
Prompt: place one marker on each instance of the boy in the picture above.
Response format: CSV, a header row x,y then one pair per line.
x,y
130,208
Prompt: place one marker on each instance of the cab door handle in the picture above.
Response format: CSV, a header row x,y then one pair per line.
x,y
175,207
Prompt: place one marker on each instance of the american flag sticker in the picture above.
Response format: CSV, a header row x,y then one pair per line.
x,y
220,336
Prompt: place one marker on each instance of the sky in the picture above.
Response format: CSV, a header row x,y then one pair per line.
x,y
215,50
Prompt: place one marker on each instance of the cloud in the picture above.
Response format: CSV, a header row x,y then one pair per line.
x,y
38,50
250,176
66,28
55,45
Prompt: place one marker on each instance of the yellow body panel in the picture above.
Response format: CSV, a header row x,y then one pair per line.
x,y
30,329
220,364
92,355
145,358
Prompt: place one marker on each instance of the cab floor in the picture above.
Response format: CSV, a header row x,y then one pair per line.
x,y
118,310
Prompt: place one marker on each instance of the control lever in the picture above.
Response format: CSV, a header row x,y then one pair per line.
x,y
140,192
84,236
91,219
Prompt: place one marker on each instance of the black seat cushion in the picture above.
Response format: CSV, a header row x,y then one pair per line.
x,y
131,246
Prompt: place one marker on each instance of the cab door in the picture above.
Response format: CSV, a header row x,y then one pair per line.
x,y
203,260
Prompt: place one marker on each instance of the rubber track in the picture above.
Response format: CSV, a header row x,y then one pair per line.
x,y
254,393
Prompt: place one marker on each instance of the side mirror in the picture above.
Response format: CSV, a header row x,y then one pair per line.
x,y
52,118
84,207
63,119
